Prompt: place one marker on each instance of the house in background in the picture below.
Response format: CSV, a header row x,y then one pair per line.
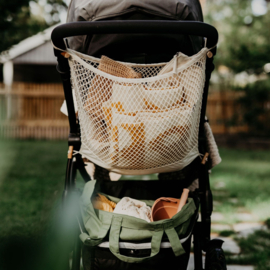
x,y
31,93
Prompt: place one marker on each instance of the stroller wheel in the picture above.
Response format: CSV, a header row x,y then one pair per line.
x,y
215,257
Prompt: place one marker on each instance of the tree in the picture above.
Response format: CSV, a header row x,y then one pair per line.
x,y
17,22
244,47
244,37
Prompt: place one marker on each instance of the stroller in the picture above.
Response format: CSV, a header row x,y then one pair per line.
x,y
140,113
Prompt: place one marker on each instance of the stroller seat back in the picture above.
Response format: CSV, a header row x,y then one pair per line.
x,y
139,48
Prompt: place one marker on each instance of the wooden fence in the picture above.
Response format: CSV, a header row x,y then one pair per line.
x,y
222,108
33,111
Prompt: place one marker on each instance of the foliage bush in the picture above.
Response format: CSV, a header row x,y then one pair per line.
x,y
17,22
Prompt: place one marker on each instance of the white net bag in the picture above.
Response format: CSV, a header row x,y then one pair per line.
x,y
139,119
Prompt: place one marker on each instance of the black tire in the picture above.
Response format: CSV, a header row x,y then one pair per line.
x,y
215,257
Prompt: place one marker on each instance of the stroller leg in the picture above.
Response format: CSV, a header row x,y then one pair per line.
x,y
81,168
69,179
70,187
206,205
197,247
76,257
204,184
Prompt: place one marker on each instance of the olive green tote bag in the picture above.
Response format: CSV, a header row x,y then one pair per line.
x,y
100,224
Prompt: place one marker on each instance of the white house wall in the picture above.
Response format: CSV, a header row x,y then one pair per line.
x,y
41,55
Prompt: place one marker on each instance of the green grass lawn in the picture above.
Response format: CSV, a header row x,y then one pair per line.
x,y
31,182
32,179
255,249
240,184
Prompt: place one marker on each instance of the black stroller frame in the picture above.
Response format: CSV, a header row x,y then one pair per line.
x,y
202,229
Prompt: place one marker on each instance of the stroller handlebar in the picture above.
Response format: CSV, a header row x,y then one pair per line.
x,y
134,27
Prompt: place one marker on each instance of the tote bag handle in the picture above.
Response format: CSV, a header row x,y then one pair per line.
x,y
114,237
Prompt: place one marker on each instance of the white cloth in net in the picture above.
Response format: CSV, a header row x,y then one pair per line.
x,y
147,123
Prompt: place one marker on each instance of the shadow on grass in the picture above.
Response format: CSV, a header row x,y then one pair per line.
x,y
46,248
255,249
240,184
35,233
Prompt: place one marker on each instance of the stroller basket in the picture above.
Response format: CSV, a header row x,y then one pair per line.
x,y
139,119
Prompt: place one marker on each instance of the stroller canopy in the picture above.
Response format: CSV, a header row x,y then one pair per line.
x,y
140,47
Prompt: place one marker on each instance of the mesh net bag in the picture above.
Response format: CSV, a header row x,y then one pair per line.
x,y
139,119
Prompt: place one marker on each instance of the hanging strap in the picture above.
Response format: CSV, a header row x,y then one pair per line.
x,y
65,53
205,43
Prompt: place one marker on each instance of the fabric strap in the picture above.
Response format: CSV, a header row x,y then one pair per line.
x,y
175,242
155,242
114,242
